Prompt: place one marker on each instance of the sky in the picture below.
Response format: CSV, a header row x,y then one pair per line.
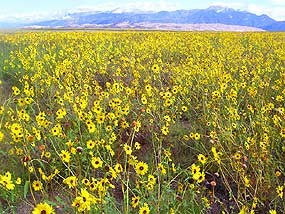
x,y
41,9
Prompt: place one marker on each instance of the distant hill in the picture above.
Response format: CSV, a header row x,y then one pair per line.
x,y
177,19
276,26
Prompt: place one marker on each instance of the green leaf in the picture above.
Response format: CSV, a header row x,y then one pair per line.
x,y
26,188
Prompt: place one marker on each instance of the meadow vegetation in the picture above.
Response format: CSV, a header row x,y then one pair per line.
x,y
142,122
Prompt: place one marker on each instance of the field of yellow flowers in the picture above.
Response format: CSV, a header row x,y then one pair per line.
x,y
142,122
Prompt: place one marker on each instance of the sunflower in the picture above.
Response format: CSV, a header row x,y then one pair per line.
x,y
70,181
128,149
43,208
141,168
135,201
155,68
65,156
144,209
202,158
96,162
37,185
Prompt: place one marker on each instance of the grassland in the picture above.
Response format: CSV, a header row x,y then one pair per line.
x,y
142,122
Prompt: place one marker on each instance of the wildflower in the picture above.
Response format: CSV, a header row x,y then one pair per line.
x,y
128,149
18,181
37,185
151,179
194,169
197,136
90,144
144,99
1,109
70,181
141,168
137,145
65,156
161,168
31,169
279,191
135,201
84,201
184,108
199,176
165,130
90,126
155,68
216,155
60,113
5,180
56,130
1,136
144,209
43,208
16,128
202,158
246,181
96,162
118,168
272,212
100,118
16,90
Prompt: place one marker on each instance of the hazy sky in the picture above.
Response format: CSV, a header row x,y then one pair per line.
x,y
31,9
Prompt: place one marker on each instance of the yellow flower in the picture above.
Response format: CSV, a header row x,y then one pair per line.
x,y
90,126
56,130
1,136
65,156
199,176
128,149
70,181
135,201
246,181
155,68
90,144
100,118
144,209
279,191
144,99
161,168
137,145
96,162
202,158
5,180
18,181
16,91
43,208
151,179
37,185
197,136
194,169
141,168
1,109
184,108
60,113
118,168
164,130
243,210
85,182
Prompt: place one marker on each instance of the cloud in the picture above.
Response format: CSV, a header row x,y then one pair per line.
x,y
130,6
277,2
234,5
276,12
32,16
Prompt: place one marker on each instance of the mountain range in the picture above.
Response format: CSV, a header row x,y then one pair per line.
x,y
212,18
